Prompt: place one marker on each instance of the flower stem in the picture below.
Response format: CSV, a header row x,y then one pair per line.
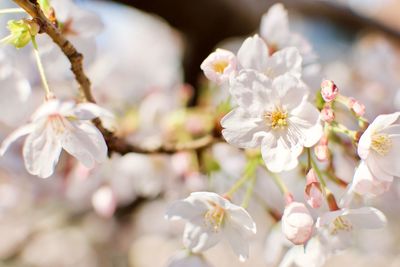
x,y
39,64
340,128
248,173
249,192
11,11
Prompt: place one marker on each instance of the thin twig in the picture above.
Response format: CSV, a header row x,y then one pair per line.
x,y
114,143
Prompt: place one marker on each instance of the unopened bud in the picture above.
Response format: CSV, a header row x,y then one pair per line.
x,y
327,114
313,192
329,90
321,150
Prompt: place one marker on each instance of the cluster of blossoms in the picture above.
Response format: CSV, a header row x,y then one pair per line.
x,y
272,111
274,121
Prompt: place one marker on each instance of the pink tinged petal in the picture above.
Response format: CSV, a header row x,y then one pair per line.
x,y
297,223
237,242
199,238
252,91
289,91
104,201
241,218
376,169
366,218
242,129
85,142
89,111
41,151
46,109
23,130
365,183
253,54
279,155
287,60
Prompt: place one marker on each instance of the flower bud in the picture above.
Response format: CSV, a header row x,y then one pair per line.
x,y
297,223
357,107
313,192
21,32
219,65
327,114
329,90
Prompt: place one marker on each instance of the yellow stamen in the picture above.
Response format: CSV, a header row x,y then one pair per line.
x,y
341,224
276,119
220,66
381,143
215,216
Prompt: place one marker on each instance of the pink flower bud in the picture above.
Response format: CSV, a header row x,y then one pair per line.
x,y
321,150
329,90
313,192
327,114
297,223
357,107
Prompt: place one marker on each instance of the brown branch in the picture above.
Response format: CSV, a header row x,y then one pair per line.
x,y
114,143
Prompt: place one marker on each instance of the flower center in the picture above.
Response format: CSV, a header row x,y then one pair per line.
x,y
57,123
215,216
276,119
341,224
220,66
381,143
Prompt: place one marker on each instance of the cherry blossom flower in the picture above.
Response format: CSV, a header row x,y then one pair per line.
x,y
211,218
379,147
297,223
60,125
314,254
275,30
219,65
335,227
274,115
254,54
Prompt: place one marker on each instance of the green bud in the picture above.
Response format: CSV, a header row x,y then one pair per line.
x,y
21,32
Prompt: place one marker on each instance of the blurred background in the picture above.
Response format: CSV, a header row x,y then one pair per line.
x,y
143,58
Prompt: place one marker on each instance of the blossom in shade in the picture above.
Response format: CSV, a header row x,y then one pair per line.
x,y
60,125
313,192
336,227
364,183
211,218
219,66
273,114
329,90
297,223
379,148
253,54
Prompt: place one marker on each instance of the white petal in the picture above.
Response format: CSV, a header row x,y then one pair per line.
x,y
241,218
41,151
390,162
279,154
275,25
383,121
366,217
198,239
252,91
85,142
47,108
290,91
253,54
287,60
376,169
187,209
237,241
242,129
21,131
89,111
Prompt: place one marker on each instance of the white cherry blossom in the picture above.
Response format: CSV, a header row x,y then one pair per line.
x,y
219,65
60,125
379,147
336,227
211,218
254,54
273,114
